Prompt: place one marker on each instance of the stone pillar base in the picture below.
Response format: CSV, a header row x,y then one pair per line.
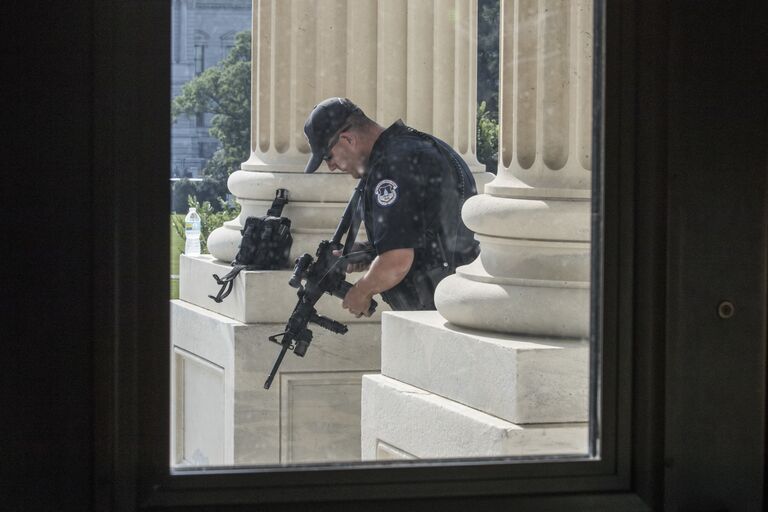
x,y
400,421
221,413
517,378
448,392
222,356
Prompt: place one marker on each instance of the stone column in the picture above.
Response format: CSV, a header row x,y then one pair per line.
x,y
502,367
409,59
533,221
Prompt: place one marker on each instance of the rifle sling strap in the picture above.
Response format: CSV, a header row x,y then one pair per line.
x,y
226,282
354,227
280,200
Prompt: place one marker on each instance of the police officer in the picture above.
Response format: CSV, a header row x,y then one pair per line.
x,y
414,188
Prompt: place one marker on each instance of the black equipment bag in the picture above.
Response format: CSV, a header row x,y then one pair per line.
x,y
265,245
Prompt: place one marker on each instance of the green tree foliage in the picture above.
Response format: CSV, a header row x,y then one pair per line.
x,y
487,138
223,90
488,56
488,83
209,189
210,219
182,190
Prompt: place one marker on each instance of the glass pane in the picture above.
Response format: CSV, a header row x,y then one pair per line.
x,y
472,219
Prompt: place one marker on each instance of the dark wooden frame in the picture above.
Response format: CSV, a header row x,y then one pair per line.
x,y
642,351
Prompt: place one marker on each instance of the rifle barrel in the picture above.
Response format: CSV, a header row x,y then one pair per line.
x,y
279,360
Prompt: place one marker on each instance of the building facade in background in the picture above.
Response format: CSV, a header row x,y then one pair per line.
x,y
203,32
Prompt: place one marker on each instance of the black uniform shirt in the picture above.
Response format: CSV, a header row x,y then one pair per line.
x,y
411,193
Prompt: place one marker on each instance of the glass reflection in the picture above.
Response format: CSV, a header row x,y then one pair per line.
x,y
501,368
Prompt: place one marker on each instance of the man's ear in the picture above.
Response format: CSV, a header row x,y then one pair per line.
x,y
350,137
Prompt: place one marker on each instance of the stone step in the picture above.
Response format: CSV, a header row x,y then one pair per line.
x,y
258,296
400,421
520,379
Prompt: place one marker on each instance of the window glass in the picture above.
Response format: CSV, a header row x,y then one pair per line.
x,y
479,345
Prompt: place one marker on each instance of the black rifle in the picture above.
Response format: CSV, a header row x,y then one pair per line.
x,y
324,274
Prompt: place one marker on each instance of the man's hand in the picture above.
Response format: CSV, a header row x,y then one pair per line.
x,y
357,301
387,270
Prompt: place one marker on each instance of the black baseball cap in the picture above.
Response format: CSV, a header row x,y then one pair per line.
x,y
325,120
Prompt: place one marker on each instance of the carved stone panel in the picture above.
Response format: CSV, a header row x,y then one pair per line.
x,y
199,418
319,415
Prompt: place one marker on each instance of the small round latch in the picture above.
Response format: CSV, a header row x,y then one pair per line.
x,y
726,309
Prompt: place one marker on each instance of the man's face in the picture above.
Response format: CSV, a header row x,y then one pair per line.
x,y
344,155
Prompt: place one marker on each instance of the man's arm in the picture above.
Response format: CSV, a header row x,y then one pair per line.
x,y
385,272
363,265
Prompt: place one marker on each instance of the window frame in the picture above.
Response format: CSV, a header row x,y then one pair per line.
x,y
133,356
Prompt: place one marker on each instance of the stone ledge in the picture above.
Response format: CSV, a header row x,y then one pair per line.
x,y
221,340
258,296
520,379
412,421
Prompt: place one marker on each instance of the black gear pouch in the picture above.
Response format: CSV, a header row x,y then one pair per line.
x,y
265,245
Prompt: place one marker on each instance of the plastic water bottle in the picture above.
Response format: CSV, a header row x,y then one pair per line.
x,y
192,233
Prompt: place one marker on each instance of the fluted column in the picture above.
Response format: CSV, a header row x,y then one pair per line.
x,y
409,59
533,221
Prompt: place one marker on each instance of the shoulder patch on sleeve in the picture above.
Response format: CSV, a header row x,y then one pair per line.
x,y
386,192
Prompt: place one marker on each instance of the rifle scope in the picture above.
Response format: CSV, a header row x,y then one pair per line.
x,y
302,264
